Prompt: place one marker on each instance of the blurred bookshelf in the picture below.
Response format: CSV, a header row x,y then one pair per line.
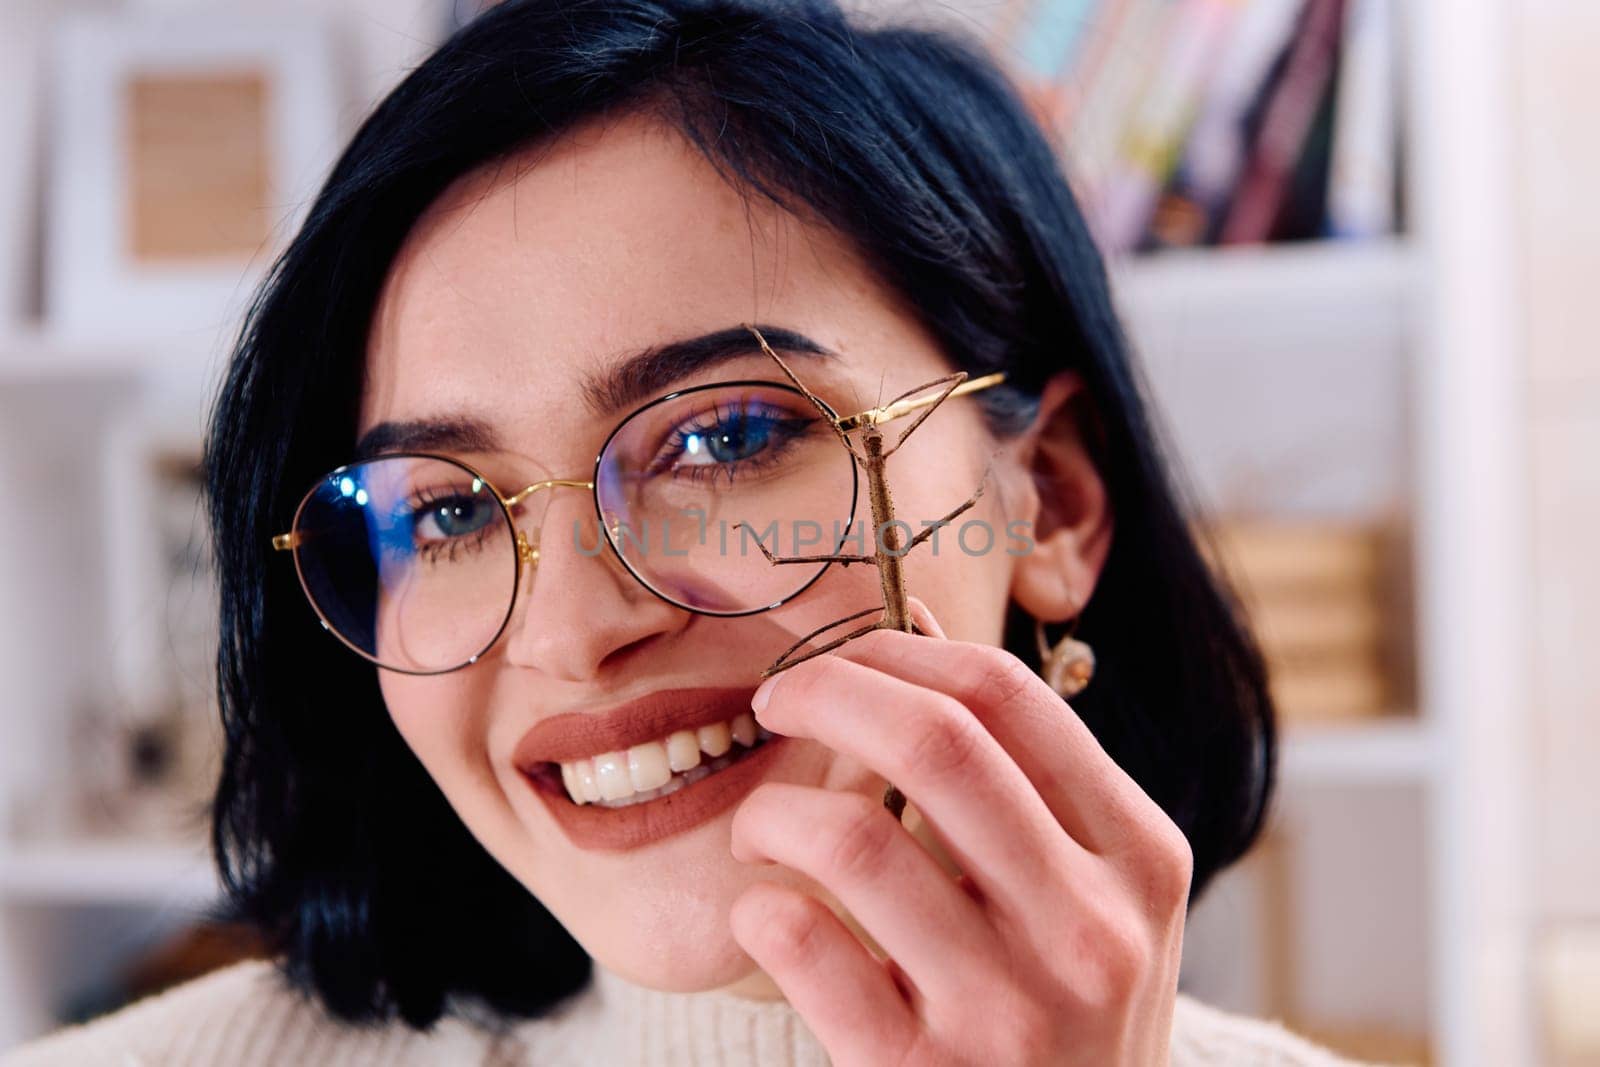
x,y
1247,169
1300,374
1192,123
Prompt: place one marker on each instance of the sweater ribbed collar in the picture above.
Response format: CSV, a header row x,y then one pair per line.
x,y
620,1022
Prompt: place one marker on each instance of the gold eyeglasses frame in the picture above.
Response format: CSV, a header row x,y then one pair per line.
x,y
527,552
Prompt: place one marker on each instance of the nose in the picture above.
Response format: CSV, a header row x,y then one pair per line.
x,y
578,609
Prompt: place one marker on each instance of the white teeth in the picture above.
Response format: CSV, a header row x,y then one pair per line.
x,y
743,728
656,768
677,783
647,766
714,739
639,798
583,771
683,750
611,771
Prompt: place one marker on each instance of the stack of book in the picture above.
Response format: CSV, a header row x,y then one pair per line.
x,y
1322,598
1200,122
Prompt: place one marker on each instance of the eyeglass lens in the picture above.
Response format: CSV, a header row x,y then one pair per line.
x,y
412,560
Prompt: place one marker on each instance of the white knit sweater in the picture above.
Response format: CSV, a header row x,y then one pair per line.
x,y
244,1016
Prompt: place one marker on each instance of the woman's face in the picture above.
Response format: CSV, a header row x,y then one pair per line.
x,y
522,285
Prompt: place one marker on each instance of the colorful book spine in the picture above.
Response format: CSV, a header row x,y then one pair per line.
x,y
1004,27
1229,121
1362,173
1154,137
1095,133
1285,125
1049,41
1078,80
1038,43
1216,149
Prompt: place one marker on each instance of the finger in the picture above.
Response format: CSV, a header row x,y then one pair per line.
x,y
1097,802
923,617
967,787
847,998
903,899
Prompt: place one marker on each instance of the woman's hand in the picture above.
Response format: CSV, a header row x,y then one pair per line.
x,y
1059,944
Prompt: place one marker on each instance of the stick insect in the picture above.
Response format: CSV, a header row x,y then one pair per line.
x,y
872,457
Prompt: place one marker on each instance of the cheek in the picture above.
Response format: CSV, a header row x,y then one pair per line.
x,y
968,594
963,573
443,721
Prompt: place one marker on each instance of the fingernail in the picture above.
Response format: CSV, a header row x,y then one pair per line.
x,y
925,616
763,693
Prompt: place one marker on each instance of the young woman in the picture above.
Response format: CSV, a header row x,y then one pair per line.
x,y
504,419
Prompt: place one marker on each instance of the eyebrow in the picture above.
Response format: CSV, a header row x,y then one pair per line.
x,y
645,374
426,435
626,383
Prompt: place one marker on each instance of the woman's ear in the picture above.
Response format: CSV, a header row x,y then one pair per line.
x,y
1070,509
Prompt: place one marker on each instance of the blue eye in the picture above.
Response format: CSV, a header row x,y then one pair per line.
x,y
736,437
451,517
731,440
436,525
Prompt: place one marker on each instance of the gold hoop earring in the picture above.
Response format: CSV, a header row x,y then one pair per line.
x,y
1068,665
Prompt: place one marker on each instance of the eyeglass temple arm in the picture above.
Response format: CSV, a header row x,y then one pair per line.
x,y
876,416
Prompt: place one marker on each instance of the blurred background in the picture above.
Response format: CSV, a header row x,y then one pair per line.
x,y
1353,242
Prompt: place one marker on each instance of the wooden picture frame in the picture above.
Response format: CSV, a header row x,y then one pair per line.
x,y
184,148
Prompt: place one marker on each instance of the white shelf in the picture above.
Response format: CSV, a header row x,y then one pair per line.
x,y
1328,273
1282,372
106,872
1298,304
35,355
30,355
1390,751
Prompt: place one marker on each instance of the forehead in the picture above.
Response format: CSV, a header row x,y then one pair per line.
x,y
529,276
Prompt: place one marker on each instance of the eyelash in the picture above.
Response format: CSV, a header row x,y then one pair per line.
x,y
419,504
790,428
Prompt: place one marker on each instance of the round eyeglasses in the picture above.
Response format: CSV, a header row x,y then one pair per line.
x,y
414,560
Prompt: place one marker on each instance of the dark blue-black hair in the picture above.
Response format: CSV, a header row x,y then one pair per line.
x,y
329,835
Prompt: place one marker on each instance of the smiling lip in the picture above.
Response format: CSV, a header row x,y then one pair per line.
x,y
600,829
579,735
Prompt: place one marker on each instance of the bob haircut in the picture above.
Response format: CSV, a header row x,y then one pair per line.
x,y
329,835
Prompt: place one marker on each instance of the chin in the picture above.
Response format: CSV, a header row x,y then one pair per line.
x,y
701,972
676,939
657,916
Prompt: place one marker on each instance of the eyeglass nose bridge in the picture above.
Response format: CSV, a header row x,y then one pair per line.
x,y
528,550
